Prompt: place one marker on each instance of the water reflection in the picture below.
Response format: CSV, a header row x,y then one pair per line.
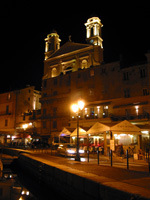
x,y
11,188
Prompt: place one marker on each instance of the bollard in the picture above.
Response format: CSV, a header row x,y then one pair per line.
x,y
88,154
127,159
148,161
51,149
111,157
98,156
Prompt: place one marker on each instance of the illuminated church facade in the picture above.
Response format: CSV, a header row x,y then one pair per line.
x,y
73,71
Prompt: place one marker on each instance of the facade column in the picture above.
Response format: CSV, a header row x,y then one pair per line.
x,y
88,32
105,144
95,29
139,142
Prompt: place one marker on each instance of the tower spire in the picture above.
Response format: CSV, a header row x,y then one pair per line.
x,y
52,43
93,31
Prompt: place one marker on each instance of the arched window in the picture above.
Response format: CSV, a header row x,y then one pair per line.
x,y
54,72
84,64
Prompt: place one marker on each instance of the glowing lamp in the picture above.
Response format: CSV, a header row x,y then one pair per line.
x,y
81,104
74,108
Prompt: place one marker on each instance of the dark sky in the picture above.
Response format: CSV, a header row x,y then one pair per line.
x,y
25,24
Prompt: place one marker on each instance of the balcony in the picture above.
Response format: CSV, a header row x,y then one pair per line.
x,y
5,113
130,117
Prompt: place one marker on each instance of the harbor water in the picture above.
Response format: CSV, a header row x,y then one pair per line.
x,y
17,185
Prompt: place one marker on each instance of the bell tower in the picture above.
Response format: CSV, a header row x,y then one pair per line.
x,y
93,31
52,43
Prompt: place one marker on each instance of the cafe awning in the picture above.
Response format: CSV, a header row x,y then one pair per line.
x,y
98,128
126,127
22,135
82,132
64,132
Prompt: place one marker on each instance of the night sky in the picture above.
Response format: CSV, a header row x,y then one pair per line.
x,y
25,24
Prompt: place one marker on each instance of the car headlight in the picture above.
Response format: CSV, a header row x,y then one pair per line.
x,y
70,151
81,151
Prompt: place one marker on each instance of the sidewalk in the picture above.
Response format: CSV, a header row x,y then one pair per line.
x,y
119,162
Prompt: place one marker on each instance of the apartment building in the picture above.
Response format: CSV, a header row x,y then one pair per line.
x,y
19,111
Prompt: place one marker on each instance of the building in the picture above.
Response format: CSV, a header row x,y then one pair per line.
x,y
7,115
59,64
19,110
112,92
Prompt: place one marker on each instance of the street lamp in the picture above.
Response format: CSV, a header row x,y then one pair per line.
x,y
76,108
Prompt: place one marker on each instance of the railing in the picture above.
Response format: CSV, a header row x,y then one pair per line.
x,y
129,117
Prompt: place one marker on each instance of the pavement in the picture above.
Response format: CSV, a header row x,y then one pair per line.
x,y
119,162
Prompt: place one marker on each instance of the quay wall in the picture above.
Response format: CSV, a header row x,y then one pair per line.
x,y
75,184
12,151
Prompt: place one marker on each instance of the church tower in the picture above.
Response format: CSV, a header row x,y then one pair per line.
x,y
93,31
52,43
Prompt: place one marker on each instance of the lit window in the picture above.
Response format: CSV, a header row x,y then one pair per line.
x,y
85,111
106,107
84,64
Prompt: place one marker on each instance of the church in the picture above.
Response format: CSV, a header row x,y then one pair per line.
x,y
112,92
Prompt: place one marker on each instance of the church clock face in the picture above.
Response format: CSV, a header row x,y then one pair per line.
x,y
91,41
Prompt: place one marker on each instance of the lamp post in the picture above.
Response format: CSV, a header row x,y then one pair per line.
x,y
76,108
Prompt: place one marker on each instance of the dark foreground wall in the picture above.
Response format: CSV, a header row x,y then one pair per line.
x,y
75,184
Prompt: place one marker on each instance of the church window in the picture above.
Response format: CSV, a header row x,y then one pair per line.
x,y
54,72
84,64
103,70
55,81
92,72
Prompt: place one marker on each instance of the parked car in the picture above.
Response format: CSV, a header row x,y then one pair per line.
x,y
69,150
40,144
